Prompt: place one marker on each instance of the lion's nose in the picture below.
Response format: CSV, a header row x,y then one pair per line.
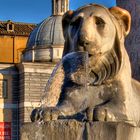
x,y
83,45
83,37
83,41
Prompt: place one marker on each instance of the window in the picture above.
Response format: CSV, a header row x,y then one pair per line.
x,y
10,27
3,88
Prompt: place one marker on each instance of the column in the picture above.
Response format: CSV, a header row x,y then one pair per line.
x,y
133,39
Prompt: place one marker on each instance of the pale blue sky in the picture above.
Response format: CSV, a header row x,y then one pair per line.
x,y
34,11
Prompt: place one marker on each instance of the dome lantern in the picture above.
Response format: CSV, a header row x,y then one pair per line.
x,y
46,41
59,7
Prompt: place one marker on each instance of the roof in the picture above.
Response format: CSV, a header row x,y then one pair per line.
x,y
20,29
48,32
43,39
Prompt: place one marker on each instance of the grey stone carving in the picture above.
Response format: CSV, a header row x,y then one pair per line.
x,y
94,76
75,130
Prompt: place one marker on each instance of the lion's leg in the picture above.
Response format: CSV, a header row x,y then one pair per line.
x,y
103,114
89,114
53,113
109,112
45,114
50,113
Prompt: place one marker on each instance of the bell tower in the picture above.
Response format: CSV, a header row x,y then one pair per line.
x,y
59,7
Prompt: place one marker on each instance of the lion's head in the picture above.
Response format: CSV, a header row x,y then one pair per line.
x,y
100,32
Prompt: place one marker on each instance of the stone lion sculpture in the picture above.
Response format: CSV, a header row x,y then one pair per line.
x,y
111,94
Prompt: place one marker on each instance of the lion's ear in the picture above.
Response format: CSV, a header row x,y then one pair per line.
x,y
124,18
66,20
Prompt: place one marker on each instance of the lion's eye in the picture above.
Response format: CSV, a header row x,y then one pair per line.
x,y
99,22
76,21
75,24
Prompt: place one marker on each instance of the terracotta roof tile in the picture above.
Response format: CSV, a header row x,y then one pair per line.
x,y
20,29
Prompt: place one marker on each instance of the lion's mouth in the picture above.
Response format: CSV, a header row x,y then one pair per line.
x,y
103,67
94,52
90,55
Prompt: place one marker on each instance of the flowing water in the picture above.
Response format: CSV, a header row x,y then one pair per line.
x,y
75,67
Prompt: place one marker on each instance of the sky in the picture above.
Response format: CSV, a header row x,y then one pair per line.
x,y
34,11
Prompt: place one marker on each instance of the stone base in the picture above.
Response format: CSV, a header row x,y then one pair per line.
x,y
74,130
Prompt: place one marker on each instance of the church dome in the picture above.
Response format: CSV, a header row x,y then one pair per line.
x,y
46,41
48,32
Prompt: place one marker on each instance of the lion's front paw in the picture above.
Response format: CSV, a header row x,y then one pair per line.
x,y
36,115
50,113
103,114
44,114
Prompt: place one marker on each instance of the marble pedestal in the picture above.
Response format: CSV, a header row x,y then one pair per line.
x,y
74,130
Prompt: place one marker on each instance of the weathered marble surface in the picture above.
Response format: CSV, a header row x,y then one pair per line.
x,y
133,39
74,130
107,74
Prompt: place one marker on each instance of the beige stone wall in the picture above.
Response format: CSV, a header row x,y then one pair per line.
x,y
33,80
11,48
9,103
20,44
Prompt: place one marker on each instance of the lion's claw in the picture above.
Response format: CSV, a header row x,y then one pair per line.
x,y
103,114
45,114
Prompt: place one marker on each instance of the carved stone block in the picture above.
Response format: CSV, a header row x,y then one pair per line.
x,y
74,130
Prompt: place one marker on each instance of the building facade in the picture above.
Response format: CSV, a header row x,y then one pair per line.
x,y
26,63
13,39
